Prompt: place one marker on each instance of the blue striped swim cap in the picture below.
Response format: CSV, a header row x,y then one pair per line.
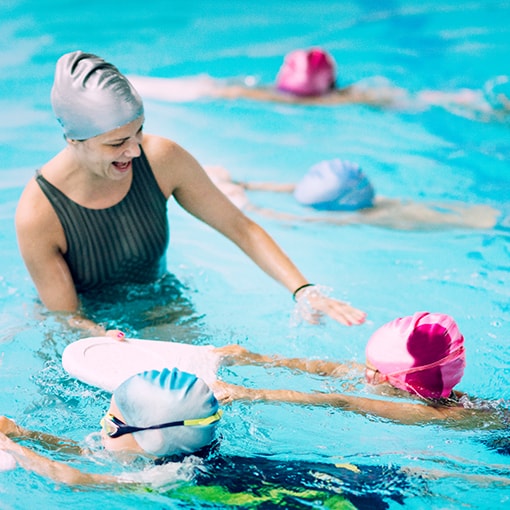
x,y
155,397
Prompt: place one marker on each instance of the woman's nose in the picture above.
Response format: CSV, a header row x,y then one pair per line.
x,y
133,148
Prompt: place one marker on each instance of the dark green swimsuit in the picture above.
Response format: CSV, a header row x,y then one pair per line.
x,y
125,243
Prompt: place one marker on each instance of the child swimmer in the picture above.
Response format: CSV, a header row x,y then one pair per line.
x,y
342,194
162,413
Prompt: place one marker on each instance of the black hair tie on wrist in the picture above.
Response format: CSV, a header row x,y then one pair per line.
x,y
300,288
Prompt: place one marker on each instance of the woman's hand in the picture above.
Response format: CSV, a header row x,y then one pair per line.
x,y
312,304
339,311
117,334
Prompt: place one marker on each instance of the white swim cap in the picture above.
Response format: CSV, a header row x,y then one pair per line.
x,y
335,185
91,97
156,397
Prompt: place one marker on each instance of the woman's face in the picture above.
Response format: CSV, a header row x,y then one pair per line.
x,y
110,155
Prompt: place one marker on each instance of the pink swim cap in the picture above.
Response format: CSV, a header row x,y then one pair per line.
x,y
422,354
306,73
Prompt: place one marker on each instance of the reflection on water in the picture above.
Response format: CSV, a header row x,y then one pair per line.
x,y
161,310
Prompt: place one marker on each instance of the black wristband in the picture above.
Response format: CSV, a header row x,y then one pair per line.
x,y
301,287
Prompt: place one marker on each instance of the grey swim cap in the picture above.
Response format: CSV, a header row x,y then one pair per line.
x,y
91,97
156,397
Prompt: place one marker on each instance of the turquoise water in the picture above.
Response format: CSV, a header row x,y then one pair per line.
x,y
430,154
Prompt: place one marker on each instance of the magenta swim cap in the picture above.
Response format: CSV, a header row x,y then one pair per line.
x,y
422,354
306,73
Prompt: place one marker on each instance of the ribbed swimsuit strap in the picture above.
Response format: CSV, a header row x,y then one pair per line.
x,y
119,244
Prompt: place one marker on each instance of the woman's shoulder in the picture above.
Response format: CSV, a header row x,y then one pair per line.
x,y
159,149
167,154
32,199
36,217
170,163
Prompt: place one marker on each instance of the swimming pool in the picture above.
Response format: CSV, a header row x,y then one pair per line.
x,y
431,154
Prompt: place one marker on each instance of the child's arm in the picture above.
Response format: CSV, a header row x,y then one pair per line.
x,y
267,186
11,429
234,354
58,471
401,412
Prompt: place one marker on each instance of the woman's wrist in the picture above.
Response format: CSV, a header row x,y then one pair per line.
x,y
310,300
92,328
300,288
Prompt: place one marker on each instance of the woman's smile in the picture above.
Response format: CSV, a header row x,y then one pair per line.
x,y
122,166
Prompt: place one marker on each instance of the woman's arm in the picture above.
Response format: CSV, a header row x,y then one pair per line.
x,y
195,192
41,242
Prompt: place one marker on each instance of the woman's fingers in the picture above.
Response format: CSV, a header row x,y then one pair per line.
x,y
312,304
117,334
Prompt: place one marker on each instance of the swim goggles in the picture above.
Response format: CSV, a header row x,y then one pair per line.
x,y
374,376
113,427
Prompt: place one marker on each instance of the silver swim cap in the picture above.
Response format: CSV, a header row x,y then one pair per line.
x,y
91,97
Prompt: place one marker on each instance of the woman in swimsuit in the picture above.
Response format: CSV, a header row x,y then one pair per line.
x,y
95,214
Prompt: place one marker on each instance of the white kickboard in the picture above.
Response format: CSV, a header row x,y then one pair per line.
x,y
106,363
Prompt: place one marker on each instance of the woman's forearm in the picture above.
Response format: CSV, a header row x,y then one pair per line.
x,y
264,251
78,321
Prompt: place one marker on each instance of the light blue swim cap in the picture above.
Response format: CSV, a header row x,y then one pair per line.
x,y
335,185
156,397
497,92
91,97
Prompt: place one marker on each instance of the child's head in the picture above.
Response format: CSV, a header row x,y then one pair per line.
x,y
155,398
335,185
497,93
307,73
422,354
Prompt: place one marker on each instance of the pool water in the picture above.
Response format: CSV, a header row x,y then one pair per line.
x,y
420,154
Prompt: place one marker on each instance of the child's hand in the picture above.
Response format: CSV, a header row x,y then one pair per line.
x,y
9,427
